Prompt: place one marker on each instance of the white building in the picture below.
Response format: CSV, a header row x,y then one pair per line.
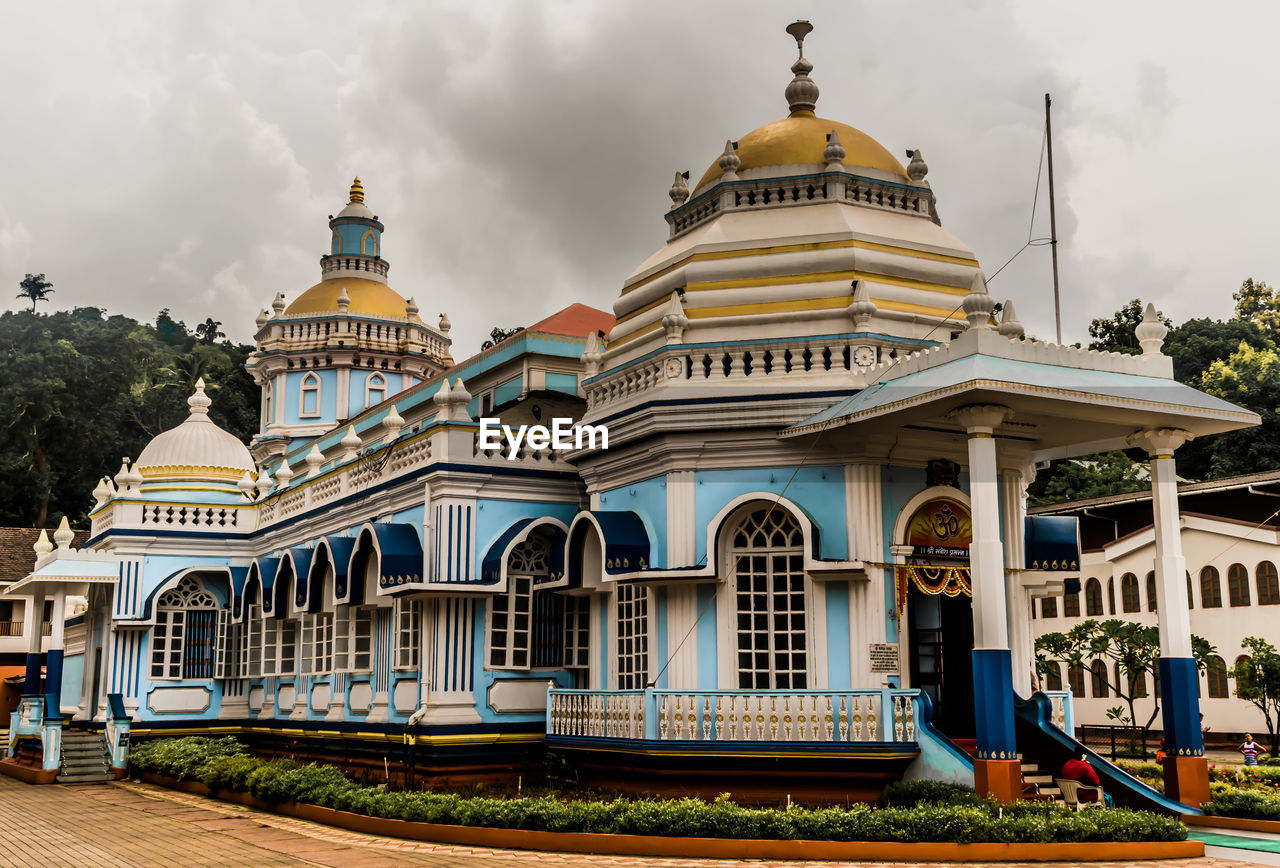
x,y
1231,541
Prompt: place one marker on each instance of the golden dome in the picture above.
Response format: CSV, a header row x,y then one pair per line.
x,y
800,140
368,297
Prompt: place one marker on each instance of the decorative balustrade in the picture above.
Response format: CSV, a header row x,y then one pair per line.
x,y
10,628
819,716
524,455
800,189
1062,710
210,517
775,360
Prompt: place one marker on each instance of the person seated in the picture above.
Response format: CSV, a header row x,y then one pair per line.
x,y
1081,772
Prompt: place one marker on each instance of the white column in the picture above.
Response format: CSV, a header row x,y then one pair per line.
x,y
868,610
1012,497
986,552
1170,566
681,530
31,622
58,620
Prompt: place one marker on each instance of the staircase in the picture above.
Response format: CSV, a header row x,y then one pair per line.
x,y
84,758
1031,774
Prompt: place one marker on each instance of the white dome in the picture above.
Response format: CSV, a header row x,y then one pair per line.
x,y
195,450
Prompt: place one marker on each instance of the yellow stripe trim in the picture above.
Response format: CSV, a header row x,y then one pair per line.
x,y
712,753
397,738
799,248
829,303
792,279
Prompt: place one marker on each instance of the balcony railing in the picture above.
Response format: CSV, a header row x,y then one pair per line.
x,y
817,716
10,628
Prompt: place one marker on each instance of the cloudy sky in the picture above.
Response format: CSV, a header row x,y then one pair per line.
x,y
186,155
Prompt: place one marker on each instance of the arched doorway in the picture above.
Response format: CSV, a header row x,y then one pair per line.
x,y
934,590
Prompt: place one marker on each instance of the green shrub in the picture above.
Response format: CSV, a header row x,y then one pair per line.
x,y
183,758
1250,804
918,810
908,793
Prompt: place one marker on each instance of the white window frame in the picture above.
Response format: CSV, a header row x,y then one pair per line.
x,y
631,604
577,632
168,637
317,643
406,633
369,389
509,639
353,639
280,647
309,386
769,553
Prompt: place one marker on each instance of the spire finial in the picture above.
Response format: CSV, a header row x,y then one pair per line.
x,y
679,191
199,402
1151,331
357,190
802,92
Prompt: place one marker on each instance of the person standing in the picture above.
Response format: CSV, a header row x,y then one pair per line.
x,y
1250,750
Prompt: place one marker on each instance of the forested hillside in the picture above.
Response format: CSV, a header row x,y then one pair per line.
x,y
80,389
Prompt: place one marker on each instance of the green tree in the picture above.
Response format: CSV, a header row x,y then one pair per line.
x,y
1249,377
35,288
1131,652
1086,477
498,335
209,331
1115,335
1258,303
1258,680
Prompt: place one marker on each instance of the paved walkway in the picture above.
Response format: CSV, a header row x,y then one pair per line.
x,y
141,825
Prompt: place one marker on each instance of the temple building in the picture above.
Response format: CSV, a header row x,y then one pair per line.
x,y
784,551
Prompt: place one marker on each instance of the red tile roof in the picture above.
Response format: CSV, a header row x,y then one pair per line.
x,y
17,557
576,320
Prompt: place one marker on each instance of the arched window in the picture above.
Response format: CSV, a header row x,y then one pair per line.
x,y
1093,597
369,244
1238,585
1129,593
1075,679
1210,589
1111,595
1268,584
375,390
183,637
1049,609
1217,674
1242,680
309,395
1053,677
266,405
1151,592
1191,597
769,601
511,615
336,246
1071,604
1098,671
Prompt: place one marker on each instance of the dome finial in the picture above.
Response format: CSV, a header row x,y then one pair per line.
x,y
199,402
802,92
357,190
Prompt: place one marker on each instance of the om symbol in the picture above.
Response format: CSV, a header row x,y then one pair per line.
x,y
945,523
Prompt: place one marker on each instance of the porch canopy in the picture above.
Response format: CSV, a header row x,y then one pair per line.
x,y
70,573
1064,401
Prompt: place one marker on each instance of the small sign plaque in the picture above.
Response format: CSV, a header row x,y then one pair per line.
x,y
884,658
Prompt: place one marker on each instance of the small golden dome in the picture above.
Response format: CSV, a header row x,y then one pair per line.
x,y
800,140
368,297
357,190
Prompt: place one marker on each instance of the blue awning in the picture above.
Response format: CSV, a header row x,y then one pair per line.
x,y
339,548
399,555
626,542
491,566
301,557
1052,543
265,569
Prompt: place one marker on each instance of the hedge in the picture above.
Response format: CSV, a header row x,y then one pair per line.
x,y
918,811
1249,804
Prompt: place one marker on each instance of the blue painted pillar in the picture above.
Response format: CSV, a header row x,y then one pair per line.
x,y
1186,772
997,770
53,661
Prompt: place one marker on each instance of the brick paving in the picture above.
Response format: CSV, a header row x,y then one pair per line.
x,y
142,825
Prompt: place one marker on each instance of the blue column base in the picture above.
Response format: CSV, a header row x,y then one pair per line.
x,y
1180,706
31,678
993,703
